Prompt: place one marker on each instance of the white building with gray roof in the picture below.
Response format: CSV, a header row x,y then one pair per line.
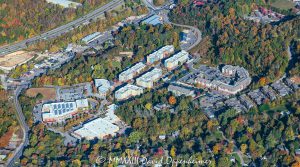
x,y
128,91
147,80
178,91
177,59
160,54
60,111
131,72
230,80
100,127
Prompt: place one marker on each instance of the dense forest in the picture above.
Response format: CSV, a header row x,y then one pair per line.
x,y
20,19
260,132
140,40
268,131
294,66
261,48
131,8
8,119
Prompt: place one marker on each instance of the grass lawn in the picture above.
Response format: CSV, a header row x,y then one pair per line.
x,y
218,135
246,160
279,108
283,4
266,107
237,159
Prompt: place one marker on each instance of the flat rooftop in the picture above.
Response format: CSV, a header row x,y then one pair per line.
x,y
154,20
65,3
151,75
127,88
134,68
97,128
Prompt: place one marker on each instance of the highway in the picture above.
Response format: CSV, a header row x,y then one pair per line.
x,y
62,29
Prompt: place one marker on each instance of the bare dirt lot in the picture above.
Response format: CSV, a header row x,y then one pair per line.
x,y
48,93
15,58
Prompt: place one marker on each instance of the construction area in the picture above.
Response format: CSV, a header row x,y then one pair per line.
x,y
10,61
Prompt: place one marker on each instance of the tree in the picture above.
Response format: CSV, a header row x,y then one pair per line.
x,y
250,130
172,100
216,148
223,162
289,133
134,137
184,2
173,152
244,148
137,123
39,96
296,164
76,162
175,39
211,124
148,106
262,81
183,104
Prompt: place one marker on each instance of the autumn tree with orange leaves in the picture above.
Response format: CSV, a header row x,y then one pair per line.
x,y
172,100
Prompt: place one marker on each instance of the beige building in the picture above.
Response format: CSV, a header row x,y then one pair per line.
x,y
160,54
131,72
177,59
147,80
128,91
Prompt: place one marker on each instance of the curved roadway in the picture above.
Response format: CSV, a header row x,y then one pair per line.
x,y
17,154
62,29
195,30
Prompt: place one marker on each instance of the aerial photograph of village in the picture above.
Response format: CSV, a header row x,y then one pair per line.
x,y
158,83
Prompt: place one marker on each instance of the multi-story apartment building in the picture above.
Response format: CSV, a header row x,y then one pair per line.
x,y
179,90
128,91
231,79
177,59
160,54
147,80
131,72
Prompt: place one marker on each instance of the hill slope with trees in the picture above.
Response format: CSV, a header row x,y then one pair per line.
x,y
230,39
20,19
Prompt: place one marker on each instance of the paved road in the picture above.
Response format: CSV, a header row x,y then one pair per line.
x,y
238,152
62,29
17,154
153,7
195,30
